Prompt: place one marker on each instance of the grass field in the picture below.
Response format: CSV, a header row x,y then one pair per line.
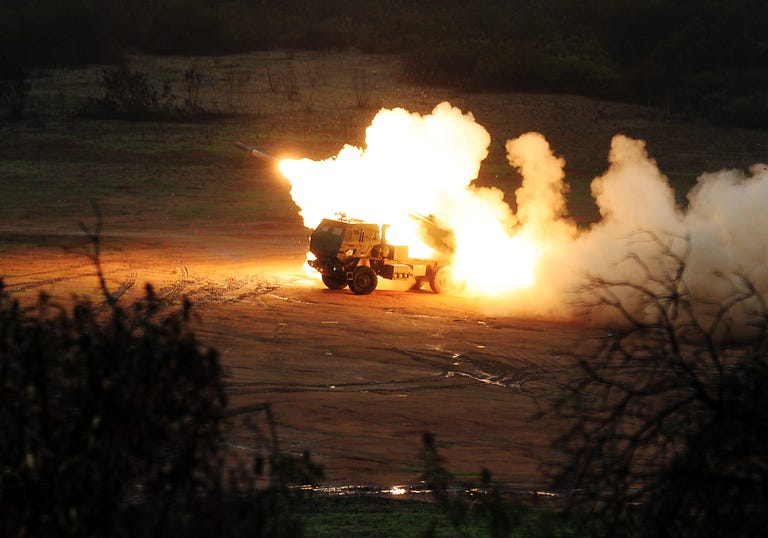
x,y
357,516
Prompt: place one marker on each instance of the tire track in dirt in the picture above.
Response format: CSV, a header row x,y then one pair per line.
x,y
482,370
383,387
206,291
485,370
24,286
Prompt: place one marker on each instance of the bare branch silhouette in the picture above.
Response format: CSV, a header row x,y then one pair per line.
x,y
667,423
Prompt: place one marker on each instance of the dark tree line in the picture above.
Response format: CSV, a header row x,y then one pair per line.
x,y
685,56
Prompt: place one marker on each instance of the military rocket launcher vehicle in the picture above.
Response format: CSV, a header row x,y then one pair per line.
x,y
354,253
349,252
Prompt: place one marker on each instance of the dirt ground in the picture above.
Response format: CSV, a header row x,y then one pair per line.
x,y
355,380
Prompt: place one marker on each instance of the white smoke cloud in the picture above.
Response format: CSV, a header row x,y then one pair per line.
x,y
721,234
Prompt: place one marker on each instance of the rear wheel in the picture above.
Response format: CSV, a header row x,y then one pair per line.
x,y
335,282
444,280
363,281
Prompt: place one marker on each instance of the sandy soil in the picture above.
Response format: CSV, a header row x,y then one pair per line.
x,y
355,380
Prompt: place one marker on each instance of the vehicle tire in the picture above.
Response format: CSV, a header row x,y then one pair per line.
x,y
363,281
335,282
444,280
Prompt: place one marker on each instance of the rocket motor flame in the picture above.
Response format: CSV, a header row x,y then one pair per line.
x,y
423,165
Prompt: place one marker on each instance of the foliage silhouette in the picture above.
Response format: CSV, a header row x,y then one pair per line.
x,y
129,93
111,423
668,422
484,507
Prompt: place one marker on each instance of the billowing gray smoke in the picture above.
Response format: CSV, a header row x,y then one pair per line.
x,y
720,240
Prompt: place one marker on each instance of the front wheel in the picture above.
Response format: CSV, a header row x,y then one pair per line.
x,y
444,280
334,282
363,281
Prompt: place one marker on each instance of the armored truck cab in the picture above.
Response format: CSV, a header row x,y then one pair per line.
x,y
353,253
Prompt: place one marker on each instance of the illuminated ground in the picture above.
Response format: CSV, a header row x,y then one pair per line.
x,y
355,380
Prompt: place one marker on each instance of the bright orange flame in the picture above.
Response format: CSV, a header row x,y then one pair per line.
x,y
424,165
308,269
